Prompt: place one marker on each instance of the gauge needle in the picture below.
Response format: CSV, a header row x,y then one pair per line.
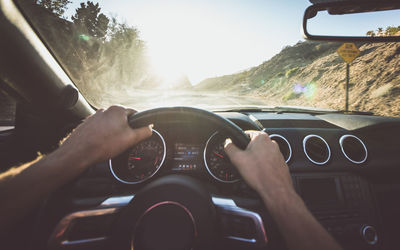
x,y
218,155
155,162
135,158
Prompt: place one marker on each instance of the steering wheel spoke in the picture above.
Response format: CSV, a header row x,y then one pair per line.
x,y
236,223
240,224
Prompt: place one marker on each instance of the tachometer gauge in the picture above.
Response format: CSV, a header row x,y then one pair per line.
x,y
140,162
217,162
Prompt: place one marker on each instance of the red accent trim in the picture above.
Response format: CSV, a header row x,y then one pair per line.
x,y
167,203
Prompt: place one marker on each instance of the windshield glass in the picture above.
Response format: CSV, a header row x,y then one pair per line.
x,y
214,55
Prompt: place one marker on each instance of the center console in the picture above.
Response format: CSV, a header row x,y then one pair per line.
x,y
343,204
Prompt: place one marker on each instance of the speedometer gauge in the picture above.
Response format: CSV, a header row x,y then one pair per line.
x,y
217,162
140,162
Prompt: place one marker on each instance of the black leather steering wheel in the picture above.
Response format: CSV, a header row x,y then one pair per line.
x,y
175,211
237,135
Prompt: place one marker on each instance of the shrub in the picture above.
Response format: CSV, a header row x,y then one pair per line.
x,y
291,95
291,72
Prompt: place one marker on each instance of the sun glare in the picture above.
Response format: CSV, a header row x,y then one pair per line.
x,y
183,41
172,45
168,70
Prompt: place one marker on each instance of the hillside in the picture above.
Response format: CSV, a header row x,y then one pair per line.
x,y
312,74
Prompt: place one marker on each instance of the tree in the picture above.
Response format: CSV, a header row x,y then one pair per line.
x,y
392,31
124,34
124,52
89,20
380,30
58,7
370,33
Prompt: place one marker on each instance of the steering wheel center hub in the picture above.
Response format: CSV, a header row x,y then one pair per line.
x,y
173,212
165,225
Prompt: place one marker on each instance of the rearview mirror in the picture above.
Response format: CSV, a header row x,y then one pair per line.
x,y
370,21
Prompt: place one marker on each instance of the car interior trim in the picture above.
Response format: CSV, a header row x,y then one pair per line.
x,y
374,241
223,202
81,242
341,140
116,201
287,142
228,206
305,150
59,236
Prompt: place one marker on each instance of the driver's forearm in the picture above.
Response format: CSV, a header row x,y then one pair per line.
x,y
297,225
22,188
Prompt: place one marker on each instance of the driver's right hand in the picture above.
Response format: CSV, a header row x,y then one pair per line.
x,y
262,166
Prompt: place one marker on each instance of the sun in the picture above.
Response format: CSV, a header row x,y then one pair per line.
x,y
181,41
167,66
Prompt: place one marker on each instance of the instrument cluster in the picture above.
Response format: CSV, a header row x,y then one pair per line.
x,y
142,161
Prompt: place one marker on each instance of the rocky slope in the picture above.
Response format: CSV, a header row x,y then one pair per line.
x,y
313,74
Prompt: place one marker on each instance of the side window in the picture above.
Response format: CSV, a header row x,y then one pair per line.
x,y
7,112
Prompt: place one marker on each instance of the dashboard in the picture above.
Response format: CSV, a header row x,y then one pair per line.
x,y
341,165
179,152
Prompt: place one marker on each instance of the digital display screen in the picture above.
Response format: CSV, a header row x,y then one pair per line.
x,y
186,152
186,156
319,191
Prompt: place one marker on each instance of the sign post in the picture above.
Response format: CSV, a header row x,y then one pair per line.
x,y
347,86
349,52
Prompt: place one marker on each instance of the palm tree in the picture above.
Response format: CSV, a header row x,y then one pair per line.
x,y
380,30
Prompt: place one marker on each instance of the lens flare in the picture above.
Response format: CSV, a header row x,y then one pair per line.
x,y
311,89
308,89
84,37
298,88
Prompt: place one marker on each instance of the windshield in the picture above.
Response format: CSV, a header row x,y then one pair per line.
x,y
213,54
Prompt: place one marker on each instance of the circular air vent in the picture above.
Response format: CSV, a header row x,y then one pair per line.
x,y
316,149
353,148
284,146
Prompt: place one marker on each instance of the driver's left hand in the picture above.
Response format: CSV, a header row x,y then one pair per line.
x,y
103,135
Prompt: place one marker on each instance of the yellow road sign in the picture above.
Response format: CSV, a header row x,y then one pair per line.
x,y
348,51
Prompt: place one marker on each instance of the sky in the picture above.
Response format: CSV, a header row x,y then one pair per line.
x,y
208,38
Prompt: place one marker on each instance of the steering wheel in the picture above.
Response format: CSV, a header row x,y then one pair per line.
x,y
175,211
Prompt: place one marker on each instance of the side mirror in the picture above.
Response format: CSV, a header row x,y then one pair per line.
x,y
346,21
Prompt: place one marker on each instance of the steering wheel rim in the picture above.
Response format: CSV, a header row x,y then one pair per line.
x,y
183,190
236,134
